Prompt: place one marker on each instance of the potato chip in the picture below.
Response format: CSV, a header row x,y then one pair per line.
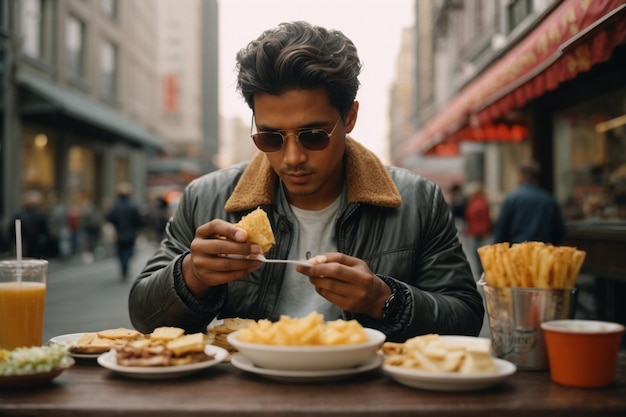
x,y
309,330
432,353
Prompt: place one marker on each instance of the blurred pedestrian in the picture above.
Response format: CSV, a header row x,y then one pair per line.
x,y
530,213
126,219
90,224
457,201
478,222
59,228
34,226
73,213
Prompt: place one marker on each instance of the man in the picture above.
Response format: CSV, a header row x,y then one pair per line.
x,y
529,213
477,221
126,218
384,244
35,228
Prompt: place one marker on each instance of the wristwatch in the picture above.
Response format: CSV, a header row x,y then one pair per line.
x,y
391,308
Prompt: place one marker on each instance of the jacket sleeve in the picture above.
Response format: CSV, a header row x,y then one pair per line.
x,y
158,296
444,298
437,289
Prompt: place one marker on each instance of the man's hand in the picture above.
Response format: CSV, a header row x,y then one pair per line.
x,y
348,283
206,267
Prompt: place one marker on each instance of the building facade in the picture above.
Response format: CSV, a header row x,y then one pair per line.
x,y
187,43
79,111
541,79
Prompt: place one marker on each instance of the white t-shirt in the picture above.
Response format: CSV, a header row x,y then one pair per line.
x,y
316,234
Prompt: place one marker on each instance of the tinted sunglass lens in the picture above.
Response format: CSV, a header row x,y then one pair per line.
x,y
314,141
268,142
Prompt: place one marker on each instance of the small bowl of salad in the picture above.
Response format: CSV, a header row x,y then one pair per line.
x,y
33,366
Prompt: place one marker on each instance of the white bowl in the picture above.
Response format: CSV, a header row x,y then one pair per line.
x,y
310,358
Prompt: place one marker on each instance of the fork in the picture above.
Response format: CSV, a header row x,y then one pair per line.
x,y
262,258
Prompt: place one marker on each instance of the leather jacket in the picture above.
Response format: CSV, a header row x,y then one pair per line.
x,y
394,220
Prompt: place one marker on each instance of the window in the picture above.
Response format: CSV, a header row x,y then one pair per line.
x,y
82,171
517,10
591,152
4,14
75,45
108,62
37,29
122,170
39,164
32,28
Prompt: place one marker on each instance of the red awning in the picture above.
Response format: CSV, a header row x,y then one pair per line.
x,y
574,37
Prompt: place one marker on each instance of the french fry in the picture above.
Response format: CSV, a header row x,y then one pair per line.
x,y
531,265
486,259
509,268
542,279
578,257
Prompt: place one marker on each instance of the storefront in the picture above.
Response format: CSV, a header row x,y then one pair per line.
x,y
589,150
580,128
70,148
558,96
590,157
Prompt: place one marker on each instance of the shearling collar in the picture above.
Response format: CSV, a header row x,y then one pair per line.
x,y
368,181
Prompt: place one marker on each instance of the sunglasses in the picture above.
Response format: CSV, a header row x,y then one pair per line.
x,y
311,139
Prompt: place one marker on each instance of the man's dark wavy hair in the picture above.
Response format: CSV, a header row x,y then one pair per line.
x,y
298,55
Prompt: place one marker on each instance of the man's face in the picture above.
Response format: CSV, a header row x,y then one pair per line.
x,y
312,179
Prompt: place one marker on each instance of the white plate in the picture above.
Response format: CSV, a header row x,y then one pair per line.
x,y
70,340
307,357
109,360
240,361
450,381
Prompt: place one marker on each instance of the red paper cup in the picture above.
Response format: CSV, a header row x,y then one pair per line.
x,y
582,353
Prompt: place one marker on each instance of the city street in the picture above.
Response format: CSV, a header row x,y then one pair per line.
x,y
86,296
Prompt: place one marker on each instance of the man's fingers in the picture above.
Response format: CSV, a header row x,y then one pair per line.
x,y
218,228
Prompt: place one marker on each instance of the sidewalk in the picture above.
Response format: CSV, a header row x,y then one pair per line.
x,y
143,250
88,294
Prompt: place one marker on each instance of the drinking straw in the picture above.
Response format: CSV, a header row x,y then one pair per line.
x,y
18,248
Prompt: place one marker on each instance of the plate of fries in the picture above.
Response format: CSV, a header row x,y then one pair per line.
x,y
445,363
307,344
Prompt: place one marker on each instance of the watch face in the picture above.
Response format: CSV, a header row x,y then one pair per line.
x,y
390,308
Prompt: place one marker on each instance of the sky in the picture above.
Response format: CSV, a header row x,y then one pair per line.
x,y
374,26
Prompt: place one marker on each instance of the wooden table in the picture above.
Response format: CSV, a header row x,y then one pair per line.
x,y
222,390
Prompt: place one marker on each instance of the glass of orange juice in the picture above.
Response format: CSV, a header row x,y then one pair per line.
x,y
22,302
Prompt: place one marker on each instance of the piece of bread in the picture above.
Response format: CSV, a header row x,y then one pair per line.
x,y
119,333
189,343
166,333
91,343
259,229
